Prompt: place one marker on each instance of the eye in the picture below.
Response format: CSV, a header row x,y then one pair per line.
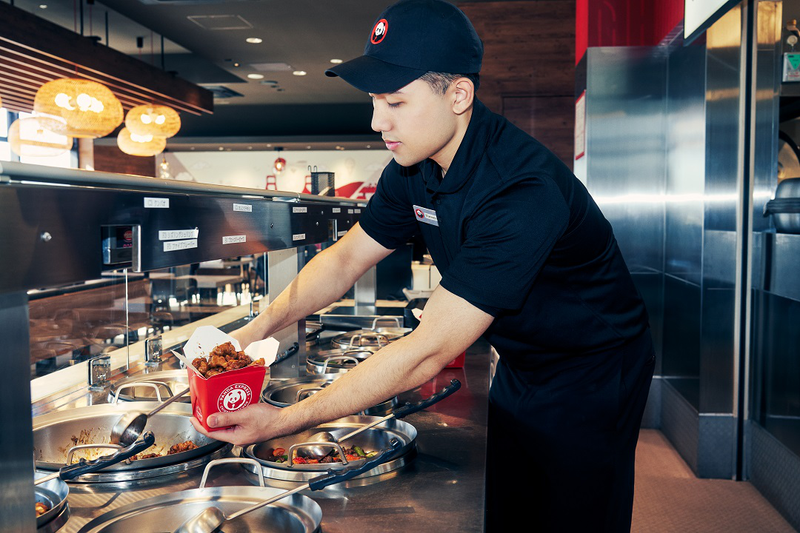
x,y
394,104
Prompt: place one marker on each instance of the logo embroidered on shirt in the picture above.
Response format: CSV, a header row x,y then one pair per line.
x,y
425,215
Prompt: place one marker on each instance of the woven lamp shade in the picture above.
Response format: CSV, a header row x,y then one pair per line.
x,y
89,108
156,120
143,146
28,137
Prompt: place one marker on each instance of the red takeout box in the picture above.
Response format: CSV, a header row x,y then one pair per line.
x,y
231,390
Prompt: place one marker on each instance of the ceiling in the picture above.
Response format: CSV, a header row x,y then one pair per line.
x,y
205,42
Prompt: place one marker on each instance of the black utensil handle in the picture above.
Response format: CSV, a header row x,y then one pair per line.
x,y
337,476
84,467
287,353
409,408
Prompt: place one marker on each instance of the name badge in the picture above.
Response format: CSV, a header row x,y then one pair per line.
x,y
425,215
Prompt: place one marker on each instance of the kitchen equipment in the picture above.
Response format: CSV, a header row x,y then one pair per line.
x,y
407,409
152,386
372,439
375,336
71,471
293,514
212,518
283,393
58,432
335,361
53,494
131,424
785,207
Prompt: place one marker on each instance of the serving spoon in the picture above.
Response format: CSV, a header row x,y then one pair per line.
x,y
130,425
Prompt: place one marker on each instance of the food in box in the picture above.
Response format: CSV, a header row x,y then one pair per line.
x,y
241,382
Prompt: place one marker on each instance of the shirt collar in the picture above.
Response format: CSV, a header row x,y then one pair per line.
x,y
467,156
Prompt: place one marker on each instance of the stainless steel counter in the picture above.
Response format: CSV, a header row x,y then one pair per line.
x,y
441,489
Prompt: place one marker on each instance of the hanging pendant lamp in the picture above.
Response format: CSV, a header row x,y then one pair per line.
x,y
29,138
280,163
140,145
89,108
156,120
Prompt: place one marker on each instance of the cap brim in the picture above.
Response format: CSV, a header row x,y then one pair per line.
x,y
372,75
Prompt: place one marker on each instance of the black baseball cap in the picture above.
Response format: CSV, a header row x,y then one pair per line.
x,y
410,38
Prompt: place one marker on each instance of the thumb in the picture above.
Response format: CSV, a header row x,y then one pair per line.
x,y
225,419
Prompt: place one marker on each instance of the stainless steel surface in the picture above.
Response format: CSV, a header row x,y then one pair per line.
x,y
152,350
169,511
16,484
337,360
283,268
223,227
55,433
152,386
99,372
439,488
366,287
52,493
370,440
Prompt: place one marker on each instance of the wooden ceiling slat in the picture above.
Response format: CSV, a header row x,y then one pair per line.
x,y
43,72
51,47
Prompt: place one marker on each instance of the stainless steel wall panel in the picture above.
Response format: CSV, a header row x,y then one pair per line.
x,y
16,440
716,353
781,264
625,148
775,472
685,163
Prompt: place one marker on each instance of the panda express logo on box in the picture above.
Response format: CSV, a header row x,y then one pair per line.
x,y
234,397
379,31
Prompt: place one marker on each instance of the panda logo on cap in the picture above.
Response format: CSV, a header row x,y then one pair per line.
x,y
379,31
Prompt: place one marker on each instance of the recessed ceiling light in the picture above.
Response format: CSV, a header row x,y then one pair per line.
x,y
254,40
299,73
336,61
236,64
256,76
42,6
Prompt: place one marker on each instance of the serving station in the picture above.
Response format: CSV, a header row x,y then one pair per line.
x,y
136,242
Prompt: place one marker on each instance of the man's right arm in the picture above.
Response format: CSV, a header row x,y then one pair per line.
x,y
321,282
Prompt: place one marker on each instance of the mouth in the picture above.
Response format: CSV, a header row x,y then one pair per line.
x,y
391,145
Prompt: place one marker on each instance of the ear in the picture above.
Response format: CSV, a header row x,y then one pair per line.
x,y
463,95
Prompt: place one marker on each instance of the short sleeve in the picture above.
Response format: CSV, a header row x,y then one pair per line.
x,y
388,217
507,241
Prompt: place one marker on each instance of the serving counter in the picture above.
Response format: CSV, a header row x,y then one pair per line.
x,y
441,488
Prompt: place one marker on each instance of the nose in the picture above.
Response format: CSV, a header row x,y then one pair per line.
x,y
379,119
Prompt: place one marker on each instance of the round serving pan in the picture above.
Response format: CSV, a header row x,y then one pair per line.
x,y
283,393
150,387
55,433
292,514
54,494
375,337
336,361
373,439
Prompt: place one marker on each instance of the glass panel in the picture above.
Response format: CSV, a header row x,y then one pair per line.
x,y
74,323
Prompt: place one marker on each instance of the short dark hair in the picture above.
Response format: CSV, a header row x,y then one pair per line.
x,y
440,81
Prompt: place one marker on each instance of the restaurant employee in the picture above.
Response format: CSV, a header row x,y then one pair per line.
x,y
527,260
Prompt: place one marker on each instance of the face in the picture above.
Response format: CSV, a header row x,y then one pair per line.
x,y
416,124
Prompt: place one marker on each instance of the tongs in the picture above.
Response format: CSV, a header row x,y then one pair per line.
x,y
83,466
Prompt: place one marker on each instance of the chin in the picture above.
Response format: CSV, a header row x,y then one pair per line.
x,y
405,161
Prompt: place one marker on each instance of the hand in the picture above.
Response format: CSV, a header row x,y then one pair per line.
x,y
255,423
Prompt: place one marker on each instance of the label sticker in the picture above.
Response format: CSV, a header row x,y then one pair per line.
x,y
336,210
298,236
341,233
243,208
425,215
174,246
357,211
156,203
299,210
173,234
349,211
234,239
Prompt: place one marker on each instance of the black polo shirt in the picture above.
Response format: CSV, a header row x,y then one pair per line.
x,y
516,234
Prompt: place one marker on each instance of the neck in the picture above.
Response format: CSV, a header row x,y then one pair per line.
x,y
444,157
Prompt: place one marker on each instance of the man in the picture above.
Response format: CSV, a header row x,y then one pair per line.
x,y
527,260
